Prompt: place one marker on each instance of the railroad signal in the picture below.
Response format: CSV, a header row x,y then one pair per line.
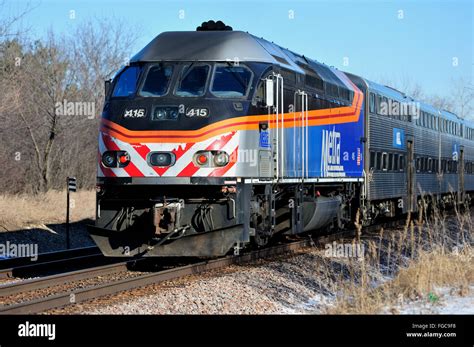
x,y
71,187
71,184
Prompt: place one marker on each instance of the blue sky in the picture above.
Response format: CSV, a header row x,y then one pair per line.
x,y
419,41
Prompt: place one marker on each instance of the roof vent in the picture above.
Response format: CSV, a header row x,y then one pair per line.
x,y
210,25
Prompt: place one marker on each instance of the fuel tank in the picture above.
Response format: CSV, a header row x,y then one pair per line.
x,y
320,212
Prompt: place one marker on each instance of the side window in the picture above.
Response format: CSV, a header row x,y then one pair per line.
x,y
372,160
379,161
384,161
390,162
127,82
395,162
193,80
402,162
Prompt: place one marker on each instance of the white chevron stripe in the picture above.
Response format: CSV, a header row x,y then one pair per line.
x,y
136,158
119,172
187,157
229,147
180,164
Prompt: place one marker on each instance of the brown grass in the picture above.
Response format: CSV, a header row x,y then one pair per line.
x,y
422,276
409,264
26,211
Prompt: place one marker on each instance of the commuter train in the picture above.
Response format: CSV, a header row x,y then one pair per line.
x,y
215,140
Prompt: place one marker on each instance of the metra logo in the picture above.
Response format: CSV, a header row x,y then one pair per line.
x,y
331,154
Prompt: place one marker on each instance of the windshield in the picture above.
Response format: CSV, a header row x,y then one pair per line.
x,y
231,81
127,82
157,80
193,80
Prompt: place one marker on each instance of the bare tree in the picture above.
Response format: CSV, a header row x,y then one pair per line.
x,y
39,146
9,23
462,95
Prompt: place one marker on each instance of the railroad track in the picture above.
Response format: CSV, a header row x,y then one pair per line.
x,y
79,295
48,262
109,288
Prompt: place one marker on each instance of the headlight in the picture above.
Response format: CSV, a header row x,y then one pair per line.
x,y
115,159
165,113
109,159
160,114
221,159
211,158
162,159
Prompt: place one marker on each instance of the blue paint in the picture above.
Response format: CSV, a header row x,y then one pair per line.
x,y
455,152
264,139
398,138
334,150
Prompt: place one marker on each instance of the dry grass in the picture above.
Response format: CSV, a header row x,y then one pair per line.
x,y
408,264
422,276
26,211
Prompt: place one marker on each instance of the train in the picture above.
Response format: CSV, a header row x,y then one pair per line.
x,y
215,141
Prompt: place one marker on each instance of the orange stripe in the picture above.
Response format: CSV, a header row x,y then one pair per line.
x,y
338,115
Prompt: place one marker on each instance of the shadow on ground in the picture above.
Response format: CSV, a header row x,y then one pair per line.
x,y
51,237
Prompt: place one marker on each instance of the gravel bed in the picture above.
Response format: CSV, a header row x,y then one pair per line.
x,y
297,283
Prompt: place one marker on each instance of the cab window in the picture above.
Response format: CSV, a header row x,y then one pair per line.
x,y
193,80
157,80
127,82
231,81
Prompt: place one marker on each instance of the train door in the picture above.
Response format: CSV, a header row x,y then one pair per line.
x,y
461,175
410,176
299,150
275,99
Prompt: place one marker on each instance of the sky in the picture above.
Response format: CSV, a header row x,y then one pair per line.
x,y
425,42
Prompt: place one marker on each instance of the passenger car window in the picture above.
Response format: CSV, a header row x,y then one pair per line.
x,y
127,82
157,80
193,80
372,103
230,81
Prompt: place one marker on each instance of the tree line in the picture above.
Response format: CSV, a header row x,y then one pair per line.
x,y
51,97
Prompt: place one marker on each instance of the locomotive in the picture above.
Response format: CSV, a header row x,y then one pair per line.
x,y
215,140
